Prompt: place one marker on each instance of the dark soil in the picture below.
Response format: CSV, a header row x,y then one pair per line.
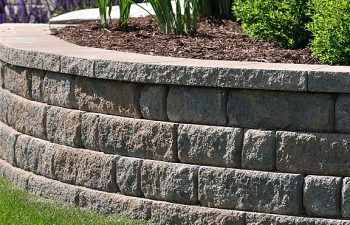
x,y
215,39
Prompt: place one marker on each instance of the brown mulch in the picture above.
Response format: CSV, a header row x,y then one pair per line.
x,y
215,39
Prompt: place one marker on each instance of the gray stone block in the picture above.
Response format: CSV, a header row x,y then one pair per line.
x,y
313,153
37,79
8,106
138,138
345,198
63,126
131,207
169,213
58,89
342,114
281,110
170,182
17,176
107,96
89,131
1,74
259,150
17,80
322,196
129,176
197,105
8,137
322,81
153,102
77,66
86,168
209,145
250,190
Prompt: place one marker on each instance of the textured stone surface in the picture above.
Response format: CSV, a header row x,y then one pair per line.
x,y
17,80
4,106
129,176
8,138
106,96
169,213
35,155
342,115
138,138
281,110
322,81
131,207
58,89
250,190
89,131
63,126
169,182
77,66
86,168
322,196
37,78
313,153
153,102
259,150
1,74
345,198
209,145
197,105
17,176
7,107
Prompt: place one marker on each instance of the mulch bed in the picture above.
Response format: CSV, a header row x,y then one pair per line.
x,y
216,39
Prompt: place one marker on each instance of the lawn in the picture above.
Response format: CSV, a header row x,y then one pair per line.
x,y
18,207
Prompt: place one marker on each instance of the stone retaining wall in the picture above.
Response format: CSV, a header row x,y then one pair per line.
x,y
177,145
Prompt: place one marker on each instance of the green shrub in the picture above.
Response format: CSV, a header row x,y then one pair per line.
x,y
278,20
216,8
331,30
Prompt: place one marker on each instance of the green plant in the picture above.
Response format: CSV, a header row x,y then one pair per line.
x,y
331,30
105,9
278,20
124,9
216,8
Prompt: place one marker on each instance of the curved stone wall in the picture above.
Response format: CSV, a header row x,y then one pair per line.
x,y
240,143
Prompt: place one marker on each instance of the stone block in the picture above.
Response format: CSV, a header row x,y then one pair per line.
x,y
77,66
107,96
259,150
250,190
8,107
153,102
8,137
281,110
86,168
1,74
197,105
170,182
129,176
4,105
138,138
58,89
313,153
345,198
169,213
15,175
89,131
329,81
342,114
322,196
17,80
63,126
37,79
209,145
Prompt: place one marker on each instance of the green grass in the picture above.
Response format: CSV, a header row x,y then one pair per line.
x,y
18,207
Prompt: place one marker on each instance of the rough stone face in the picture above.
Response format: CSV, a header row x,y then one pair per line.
x,y
322,81
258,151
107,96
1,74
17,176
281,110
8,137
86,168
129,176
138,138
17,80
322,196
313,153
131,207
63,126
89,131
77,66
58,89
197,105
7,107
345,201
342,115
250,190
153,102
37,78
169,182
209,145
169,213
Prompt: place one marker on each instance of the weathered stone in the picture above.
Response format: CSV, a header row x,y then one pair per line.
x,y
345,201
250,190
322,196
63,126
4,105
209,145
77,66
322,81
129,176
17,176
1,74
169,182
342,114
313,153
89,131
197,105
86,168
258,151
107,96
37,79
281,110
8,137
138,138
131,207
8,106
17,80
169,213
153,102
58,89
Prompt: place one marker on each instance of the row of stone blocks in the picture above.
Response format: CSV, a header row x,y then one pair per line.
x,y
280,193
293,152
294,111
